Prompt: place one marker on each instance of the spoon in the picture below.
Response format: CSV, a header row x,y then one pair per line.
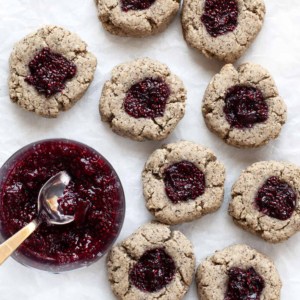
x,y
48,212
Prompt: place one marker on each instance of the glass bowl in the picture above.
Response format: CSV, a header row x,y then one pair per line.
x,y
95,195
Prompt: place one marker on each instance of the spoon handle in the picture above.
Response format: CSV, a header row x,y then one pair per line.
x,y
10,245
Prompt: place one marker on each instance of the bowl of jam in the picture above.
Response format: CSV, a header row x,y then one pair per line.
x,y
94,196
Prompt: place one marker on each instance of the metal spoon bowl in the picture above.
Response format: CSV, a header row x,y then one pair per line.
x,y
48,210
48,198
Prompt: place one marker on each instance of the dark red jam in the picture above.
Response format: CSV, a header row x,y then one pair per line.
x,y
244,284
245,106
136,4
220,16
276,199
153,271
183,182
94,196
147,98
49,72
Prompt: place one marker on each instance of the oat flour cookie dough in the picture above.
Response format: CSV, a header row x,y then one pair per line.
x,y
238,272
137,18
265,200
50,70
242,106
182,182
222,29
153,263
143,100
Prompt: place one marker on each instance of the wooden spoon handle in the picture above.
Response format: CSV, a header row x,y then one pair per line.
x,y
10,245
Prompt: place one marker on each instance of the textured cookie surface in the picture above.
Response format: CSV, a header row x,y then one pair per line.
x,y
231,45
243,207
157,200
60,41
114,92
212,274
252,76
124,257
136,22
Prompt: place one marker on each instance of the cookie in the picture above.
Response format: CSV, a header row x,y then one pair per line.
x,y
242,106
143,100
222,29
50,70
265,200
153,263
136,18
182,182
238,272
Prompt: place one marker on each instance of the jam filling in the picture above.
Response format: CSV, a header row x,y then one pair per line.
x,y
147,98
220,16
153,271
244,284
183,182
49,72
93,196
136,4
276,199
245,106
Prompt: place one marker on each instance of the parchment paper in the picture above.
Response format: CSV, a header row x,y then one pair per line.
x,y
277,48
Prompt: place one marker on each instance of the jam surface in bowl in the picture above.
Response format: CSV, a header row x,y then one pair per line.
x,y
94,196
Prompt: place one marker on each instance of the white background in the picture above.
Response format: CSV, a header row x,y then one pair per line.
x,y
277,48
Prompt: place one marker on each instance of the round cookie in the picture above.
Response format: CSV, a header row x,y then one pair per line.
x,y
242,106
238,272
50,70
136,18
152,263
265,200
222,29
143,100
182,182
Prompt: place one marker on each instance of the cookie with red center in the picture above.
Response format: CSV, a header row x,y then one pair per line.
x,y
238,272
182,182
143,100
243,107
50,70
137,18
222,29
152,263
265,200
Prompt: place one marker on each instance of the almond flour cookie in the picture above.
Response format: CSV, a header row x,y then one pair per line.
x,y
50,70
153,263
222,29
143,100
137,18
238,272
265,200
182,182
242,106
